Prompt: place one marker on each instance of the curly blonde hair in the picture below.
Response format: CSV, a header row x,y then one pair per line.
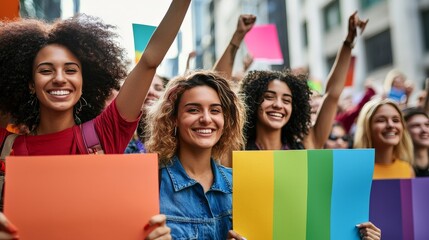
x,y
363,137
162,116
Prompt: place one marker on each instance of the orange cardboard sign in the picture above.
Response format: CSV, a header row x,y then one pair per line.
x,y
9,9
82,196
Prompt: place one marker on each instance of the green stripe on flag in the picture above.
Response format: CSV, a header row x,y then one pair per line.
x,y
320,170
290,194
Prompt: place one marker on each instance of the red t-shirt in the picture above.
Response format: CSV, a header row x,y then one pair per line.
x,y
113,131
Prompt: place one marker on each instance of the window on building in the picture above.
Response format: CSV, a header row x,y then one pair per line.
x,y
49,10
423,86
331,15
379,50
425,30
305,34
365,4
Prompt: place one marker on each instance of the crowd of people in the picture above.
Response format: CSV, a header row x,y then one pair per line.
x,y
56,76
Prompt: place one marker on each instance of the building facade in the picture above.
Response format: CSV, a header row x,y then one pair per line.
x,y
49,10
397,36
216,20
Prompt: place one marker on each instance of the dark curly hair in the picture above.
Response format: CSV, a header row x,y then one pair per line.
x,y
253,86
104,63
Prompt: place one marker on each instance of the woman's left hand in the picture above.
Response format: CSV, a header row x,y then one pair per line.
x,y
369,231
161,230
7,230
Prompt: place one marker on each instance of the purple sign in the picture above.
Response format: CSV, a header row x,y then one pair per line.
x,y
400,208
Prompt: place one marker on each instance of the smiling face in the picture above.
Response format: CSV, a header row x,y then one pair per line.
x,y
155,91
386,127
200,118
418,127
57,76
398,82
338,138
276,107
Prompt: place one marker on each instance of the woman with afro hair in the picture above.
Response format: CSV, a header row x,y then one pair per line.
x,y
56,76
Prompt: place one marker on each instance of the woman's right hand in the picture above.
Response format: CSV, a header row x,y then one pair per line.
x,y
160,230
7,230
232,235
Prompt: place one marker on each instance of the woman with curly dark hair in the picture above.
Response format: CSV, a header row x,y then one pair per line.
x,y
278,109
278,104
54,77
259,90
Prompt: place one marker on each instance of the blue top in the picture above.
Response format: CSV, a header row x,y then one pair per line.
x,y
135,146
191,213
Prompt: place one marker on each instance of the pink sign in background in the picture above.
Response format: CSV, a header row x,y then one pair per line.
x,y
263,44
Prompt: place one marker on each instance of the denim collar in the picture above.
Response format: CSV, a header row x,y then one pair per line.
x,y
181,180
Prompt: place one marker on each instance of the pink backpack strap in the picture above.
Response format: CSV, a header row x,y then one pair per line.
x,y
90,138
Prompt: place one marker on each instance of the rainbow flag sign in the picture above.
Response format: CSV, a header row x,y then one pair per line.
x,y
400,208
301,194
142,34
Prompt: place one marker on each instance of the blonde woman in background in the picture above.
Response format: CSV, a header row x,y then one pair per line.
x,y
381,126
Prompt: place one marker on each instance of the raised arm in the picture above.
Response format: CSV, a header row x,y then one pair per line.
x,y
136,85
337,78
348,117
191,55
426,102
226,62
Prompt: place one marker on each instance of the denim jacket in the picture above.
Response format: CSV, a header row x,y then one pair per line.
x,y
191,213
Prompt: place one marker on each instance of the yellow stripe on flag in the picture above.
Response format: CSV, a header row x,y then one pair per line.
x,y
253,217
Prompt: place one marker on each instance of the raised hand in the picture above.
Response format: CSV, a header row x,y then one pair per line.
x,y
245,22
226,61
354,23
